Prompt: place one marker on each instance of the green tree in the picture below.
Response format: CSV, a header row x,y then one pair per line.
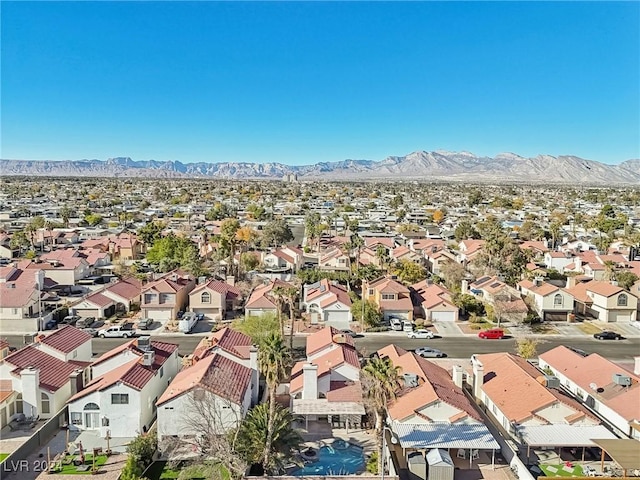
x,y
65,214
220,211
172,251
527,347
381,380
312,228
258,328
258,426
19,240
274,359
93,219
409,272
151,232
372,315
249,261
465,230
256,212
626,279
276,232
229,240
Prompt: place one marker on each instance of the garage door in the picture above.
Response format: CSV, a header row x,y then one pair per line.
x,y
401,315
619,317
443,316
209,313
158,315
555,317
338,319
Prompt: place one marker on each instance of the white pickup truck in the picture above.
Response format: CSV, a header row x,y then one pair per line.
x,y
118,331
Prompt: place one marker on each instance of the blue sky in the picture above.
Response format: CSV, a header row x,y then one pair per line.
x,y
302,82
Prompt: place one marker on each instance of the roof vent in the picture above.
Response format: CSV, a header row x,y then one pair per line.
x,y
410,380
621,379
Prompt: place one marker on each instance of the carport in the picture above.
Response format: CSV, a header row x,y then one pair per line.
x,y
625,452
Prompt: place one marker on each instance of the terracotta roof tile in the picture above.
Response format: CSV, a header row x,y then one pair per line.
x,y
54,373
66,339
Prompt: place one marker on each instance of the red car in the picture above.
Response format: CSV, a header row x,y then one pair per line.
x,y
494,333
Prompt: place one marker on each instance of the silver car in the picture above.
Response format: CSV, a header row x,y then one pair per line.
x,y
427,352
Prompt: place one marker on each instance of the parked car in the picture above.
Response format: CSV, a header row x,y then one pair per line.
x,y
494,333
421,333
428,352
145,323
70,320
395,323
91,331
50,325
408,327
85,322
200,316
351,333
116,332
607,335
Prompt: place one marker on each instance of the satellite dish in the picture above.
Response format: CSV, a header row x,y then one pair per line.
x,y
593,386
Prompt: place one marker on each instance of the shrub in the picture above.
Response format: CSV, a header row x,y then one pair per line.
x,y
377,329
372,463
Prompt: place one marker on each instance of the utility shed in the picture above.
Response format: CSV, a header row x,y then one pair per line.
x,y
417,466
440,464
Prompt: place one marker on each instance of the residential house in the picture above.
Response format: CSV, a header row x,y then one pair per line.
x,y
433,302
558,260
127,382
328,303
403,252
335,260
95,259
537,248
531,407
214,299
551,303
96,305
125,292
19,300
286,258
602,385
223,370
165,297
63,272
38,379
261,300
5,247
604,301
392,297
489,288
438,259
327,385
124,246
431,411
468,250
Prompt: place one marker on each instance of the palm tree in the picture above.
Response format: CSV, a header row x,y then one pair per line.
x,y
274,359
278,295
609,270
382,380
253,432
290,295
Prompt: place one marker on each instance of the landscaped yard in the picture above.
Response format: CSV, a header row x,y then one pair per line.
x,y
68,468
589,328
562,470
194,471
3,456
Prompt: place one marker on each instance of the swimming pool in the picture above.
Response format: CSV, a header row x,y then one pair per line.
x,y
333,461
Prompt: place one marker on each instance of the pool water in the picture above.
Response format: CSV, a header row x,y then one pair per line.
x,y
334,462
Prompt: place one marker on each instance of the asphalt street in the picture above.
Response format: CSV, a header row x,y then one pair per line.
x,y
454,347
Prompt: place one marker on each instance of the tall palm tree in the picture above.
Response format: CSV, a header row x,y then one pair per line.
x,y
278,295
252,434
382,380
290,296
274,359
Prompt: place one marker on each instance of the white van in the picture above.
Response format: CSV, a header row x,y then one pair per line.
x,y
407,326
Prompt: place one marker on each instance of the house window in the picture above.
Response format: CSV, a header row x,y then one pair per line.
x,y
105,422
45,405
205,297
342,260
166,297
119,399
388,296
150,298
371,291
74,354
622,300
91,406
76,418
557,300
14,311
161,372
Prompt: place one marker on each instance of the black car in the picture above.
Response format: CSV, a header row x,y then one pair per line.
x,y
607,335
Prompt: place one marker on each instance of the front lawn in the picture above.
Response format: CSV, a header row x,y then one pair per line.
x,y
562,470
66,467
589,328
3,456
189,470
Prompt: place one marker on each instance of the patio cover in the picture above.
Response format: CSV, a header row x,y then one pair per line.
x,y
562,435
624,451
444,435
322,406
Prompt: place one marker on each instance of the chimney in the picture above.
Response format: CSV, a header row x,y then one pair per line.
x,y
458,375
255,374
309,381
76,381
30,391
571,282
478,378
231,280
465,287
636,365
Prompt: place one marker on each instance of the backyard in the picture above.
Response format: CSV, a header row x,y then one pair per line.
x,y
184,470
67,466
3,456
562,470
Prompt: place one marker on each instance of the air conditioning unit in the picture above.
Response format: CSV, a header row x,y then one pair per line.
x,y
410,380
621,379
549,381
148,358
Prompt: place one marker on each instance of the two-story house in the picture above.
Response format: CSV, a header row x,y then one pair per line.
x,y
433,302
328,303
261,300
125,292
392,297
19,300
127,382
604,301
335,260
468,250
550,302
214,299
165,297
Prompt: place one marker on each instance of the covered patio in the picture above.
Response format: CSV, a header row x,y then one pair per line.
x,y
463,441
625,452
349,413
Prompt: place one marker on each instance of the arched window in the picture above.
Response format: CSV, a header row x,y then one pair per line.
x,y
622,300
45,406
205,297
91,406
558,300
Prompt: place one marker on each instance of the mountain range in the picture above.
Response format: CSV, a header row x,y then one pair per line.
x,y
421,165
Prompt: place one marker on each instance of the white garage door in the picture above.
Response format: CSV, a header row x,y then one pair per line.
x,y
158,315
619,317
337,319
443,316
390,313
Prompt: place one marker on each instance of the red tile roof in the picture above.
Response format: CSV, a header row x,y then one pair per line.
x,y
54,373
231,341
66,339
325,337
